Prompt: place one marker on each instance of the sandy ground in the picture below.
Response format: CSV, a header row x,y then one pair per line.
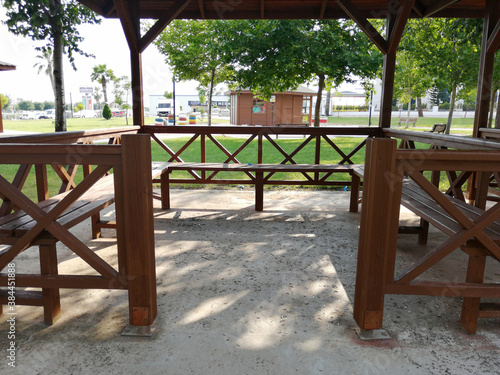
x,y
241,292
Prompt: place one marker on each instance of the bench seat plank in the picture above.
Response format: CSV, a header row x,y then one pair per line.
x,y
417,201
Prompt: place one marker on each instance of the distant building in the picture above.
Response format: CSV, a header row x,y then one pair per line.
x,y
291,107
189,103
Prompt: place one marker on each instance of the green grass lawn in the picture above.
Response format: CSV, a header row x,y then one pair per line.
x,y
459,125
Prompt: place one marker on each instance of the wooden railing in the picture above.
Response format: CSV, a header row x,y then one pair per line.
x,y
317,142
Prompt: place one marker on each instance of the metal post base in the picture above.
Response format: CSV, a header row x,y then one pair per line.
x,y
139,331
372,334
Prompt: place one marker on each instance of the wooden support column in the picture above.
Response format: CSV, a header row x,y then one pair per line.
x,y
387,90
134,212
378,231
487,62
51,297
1,120
137,92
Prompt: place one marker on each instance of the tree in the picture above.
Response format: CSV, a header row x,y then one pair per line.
x,y
26,105
46,65
106,112
122,87
193,50
449,48
102,74
4,101
38,106
55,22
277,55
48,105
97,96
78,107
168,95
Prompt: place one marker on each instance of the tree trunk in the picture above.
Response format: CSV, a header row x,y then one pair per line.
x,y
60,113
419,107
497,120
328,102
210,98
104,88
409,112
452,108
317,109
492,108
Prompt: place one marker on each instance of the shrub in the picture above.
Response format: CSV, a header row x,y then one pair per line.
x,y
106,112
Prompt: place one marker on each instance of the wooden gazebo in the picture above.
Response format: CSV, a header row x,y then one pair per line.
x,y
4,66
130,187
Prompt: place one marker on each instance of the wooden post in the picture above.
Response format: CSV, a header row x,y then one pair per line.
x,y
470,305
378,231
51,297
259,191
486,67
136,219
389,71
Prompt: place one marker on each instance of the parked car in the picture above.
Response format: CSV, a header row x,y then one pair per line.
x,y
28,116
84,113
48,114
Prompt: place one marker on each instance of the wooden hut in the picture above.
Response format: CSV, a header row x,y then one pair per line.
x,y
283,108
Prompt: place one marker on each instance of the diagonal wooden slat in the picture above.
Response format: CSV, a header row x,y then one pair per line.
x,y
344,157
494,39
202,9
18,182
364,24
438,6
399,26
162,22
167,149
128,24
456,184
324,3
46,221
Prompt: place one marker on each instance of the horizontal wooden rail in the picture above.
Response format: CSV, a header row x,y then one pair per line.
x,y
442,140
85,136
263,130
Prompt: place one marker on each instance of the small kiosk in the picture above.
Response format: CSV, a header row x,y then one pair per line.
x,y
291,107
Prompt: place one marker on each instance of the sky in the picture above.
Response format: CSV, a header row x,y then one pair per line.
x,y
106,41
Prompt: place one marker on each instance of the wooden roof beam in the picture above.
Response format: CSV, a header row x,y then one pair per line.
x,y
262,9
202,9
399,25
163,22
418,8
438,6
364,25
323,9
129,25
494,39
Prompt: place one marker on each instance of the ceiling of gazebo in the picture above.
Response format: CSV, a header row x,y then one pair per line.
x,y
283,9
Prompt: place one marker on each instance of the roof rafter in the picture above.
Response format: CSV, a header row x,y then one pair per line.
x,y
324,3
163,22
438,6
418,8
364,25
494,39
262,8
128,24
202,9
399,25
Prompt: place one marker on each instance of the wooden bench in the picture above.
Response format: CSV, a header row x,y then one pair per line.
x,y
259,180
14,226
420,203
411,120
394,178
438,128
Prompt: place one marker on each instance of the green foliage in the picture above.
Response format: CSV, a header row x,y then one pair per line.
x,y
54,22
106,112
277,55
48,105
78,107
26,105
4,101
103,75
168,95
41,19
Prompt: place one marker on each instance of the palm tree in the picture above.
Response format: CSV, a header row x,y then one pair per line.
x,y
46,65
102,74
